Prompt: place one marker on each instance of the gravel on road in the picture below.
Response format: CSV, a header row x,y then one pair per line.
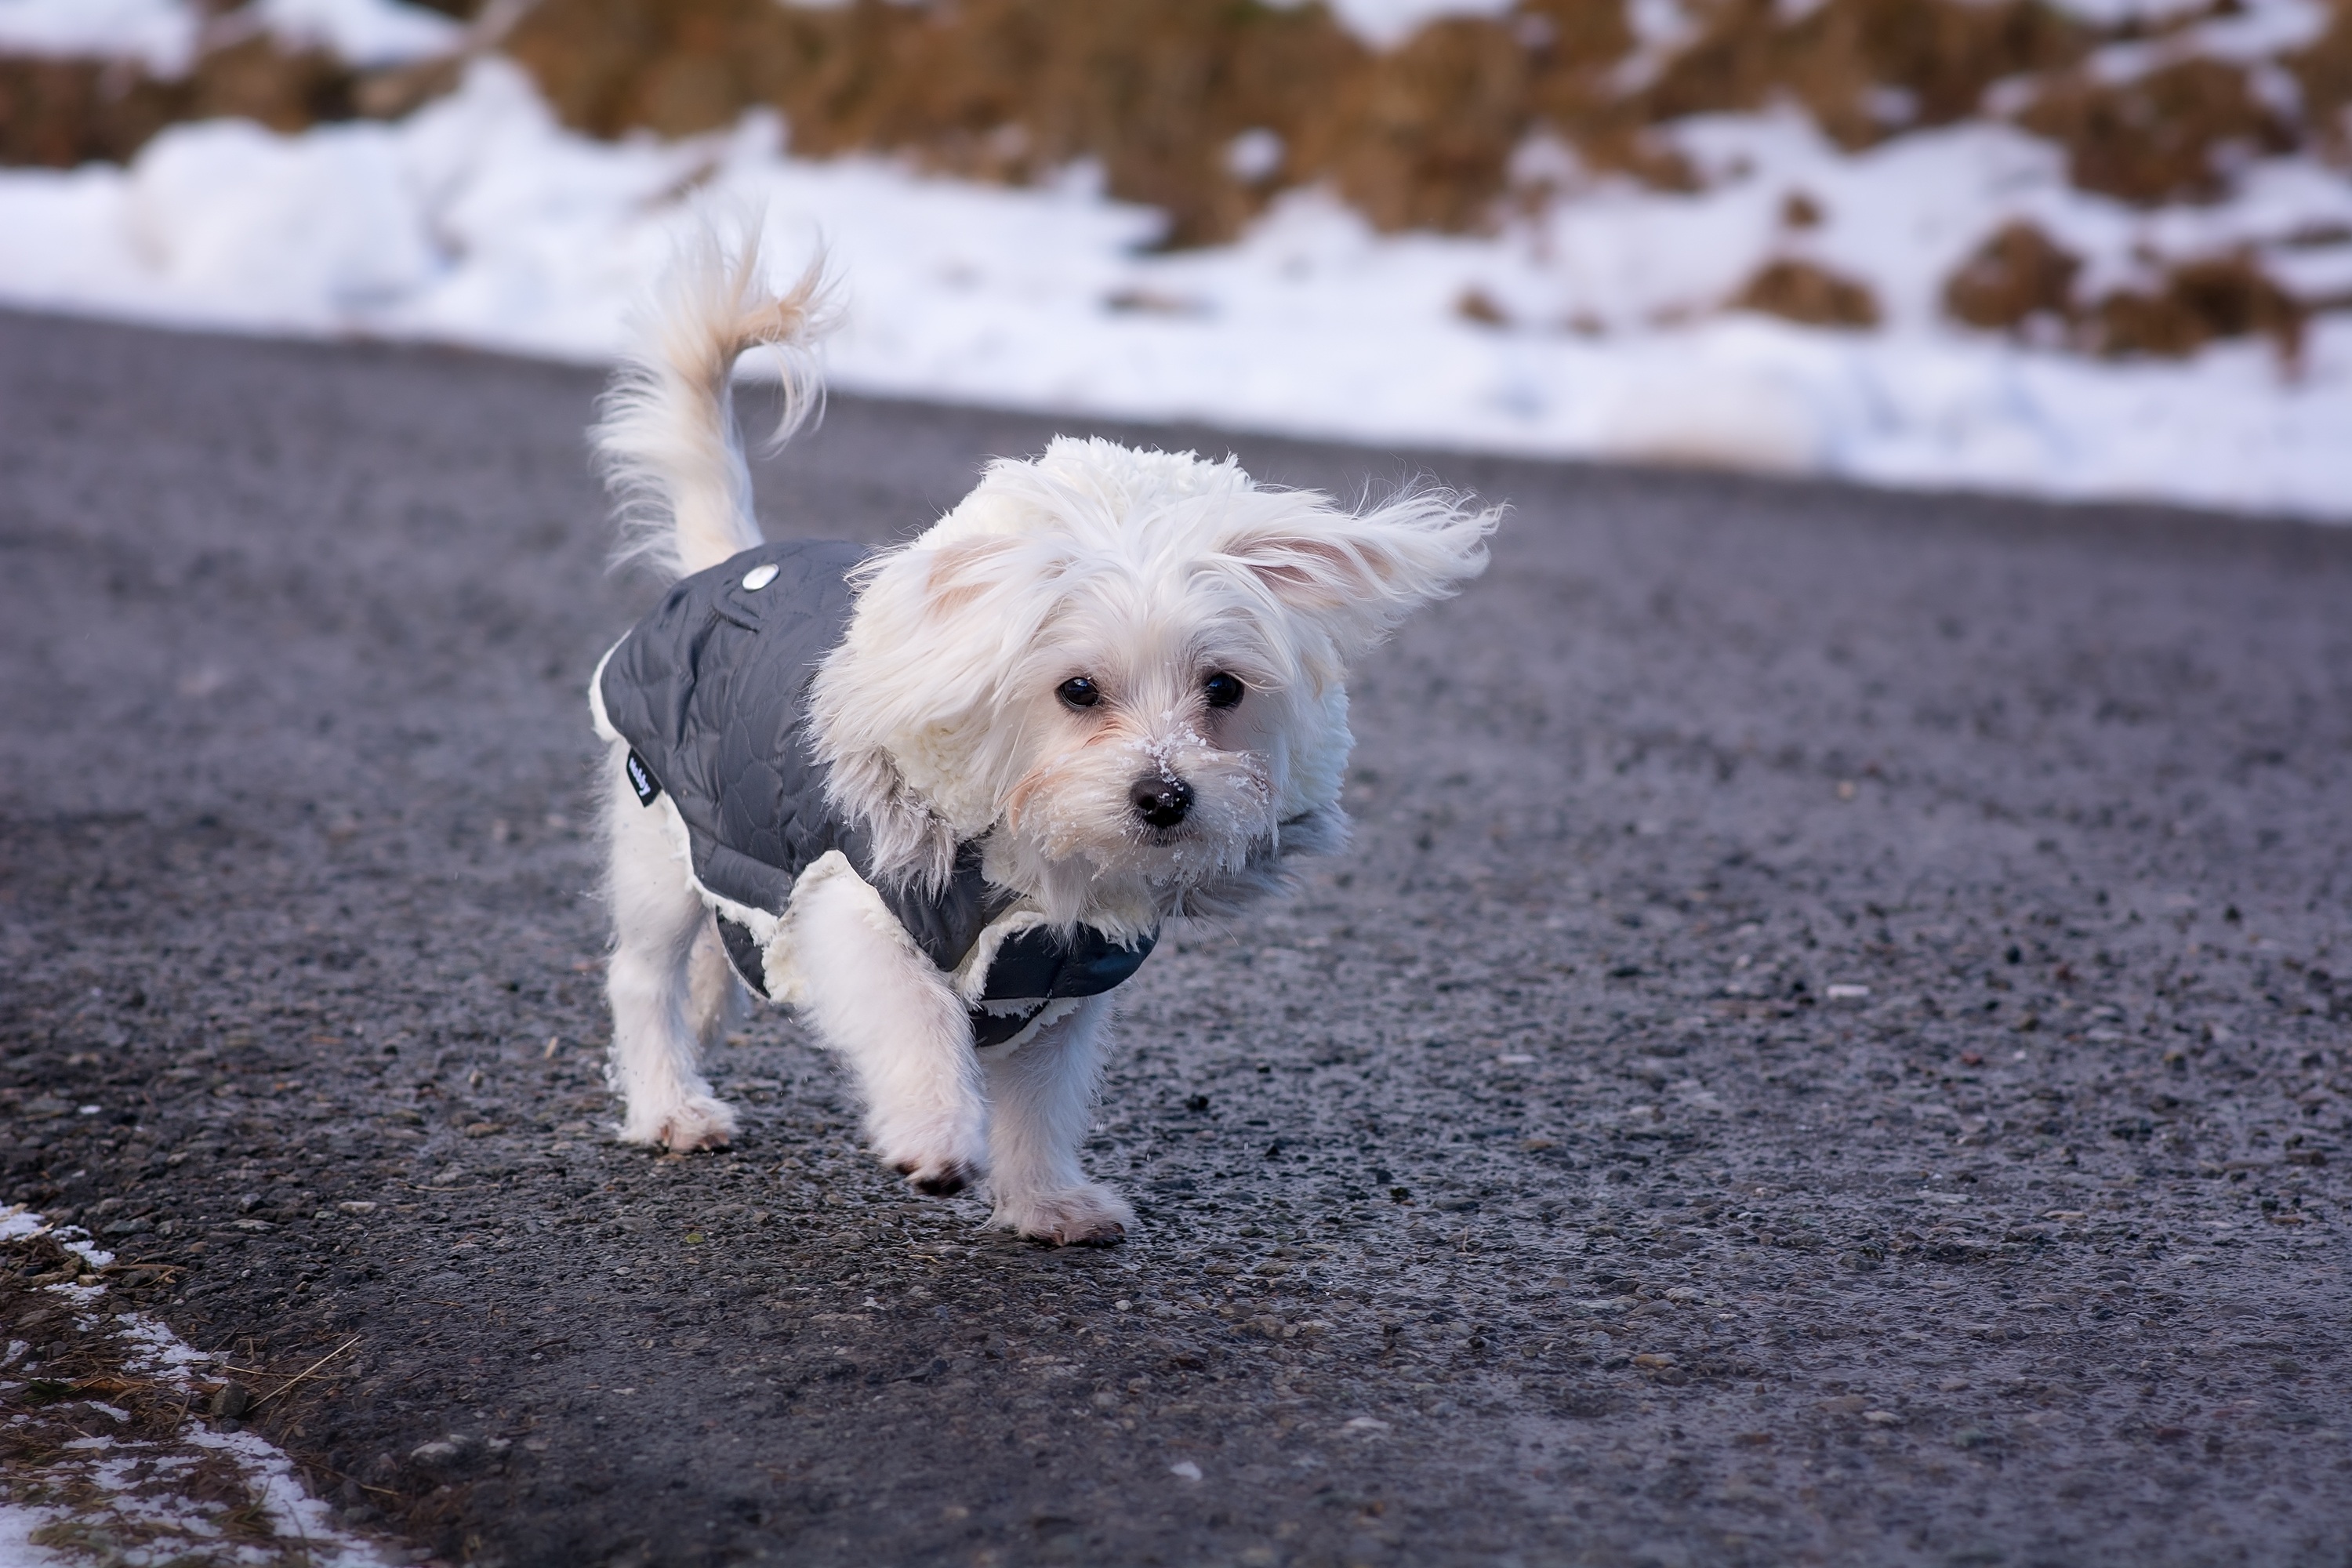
x,y
1830,1045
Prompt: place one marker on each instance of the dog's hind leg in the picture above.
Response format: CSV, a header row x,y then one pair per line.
x,y
715,998
657,985
1041,1103
890,1012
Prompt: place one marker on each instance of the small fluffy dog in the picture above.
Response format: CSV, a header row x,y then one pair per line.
x,y
939,799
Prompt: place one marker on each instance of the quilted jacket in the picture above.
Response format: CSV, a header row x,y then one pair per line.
x,y
711,691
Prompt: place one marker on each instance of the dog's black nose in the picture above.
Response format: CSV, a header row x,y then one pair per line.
x,y
1162,802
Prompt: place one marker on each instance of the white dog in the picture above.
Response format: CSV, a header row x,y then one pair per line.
x,y
941,799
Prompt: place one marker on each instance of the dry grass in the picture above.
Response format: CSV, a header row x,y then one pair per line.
x,y
2323,72
2020,275
2195,303
2023,282
1157,90
1156,93
1865,69
1475,304
146,1494
1420,137
1806,292
58,113
2172,135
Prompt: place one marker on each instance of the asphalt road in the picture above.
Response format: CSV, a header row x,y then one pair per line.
x,y
1535,1188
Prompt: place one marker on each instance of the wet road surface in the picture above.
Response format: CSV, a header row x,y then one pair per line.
x,y
1831,1044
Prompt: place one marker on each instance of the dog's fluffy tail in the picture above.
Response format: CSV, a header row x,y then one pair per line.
x,y
665,436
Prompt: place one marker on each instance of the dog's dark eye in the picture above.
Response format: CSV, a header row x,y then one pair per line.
x,y
1078,691
1222,691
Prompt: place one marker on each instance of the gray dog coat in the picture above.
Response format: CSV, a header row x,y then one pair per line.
x,y
710,692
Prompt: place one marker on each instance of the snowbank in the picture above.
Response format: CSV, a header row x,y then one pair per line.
x,y
162,35
159,34
1384,23
1593,329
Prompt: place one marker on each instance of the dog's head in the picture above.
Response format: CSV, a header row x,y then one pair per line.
x,y
1122,671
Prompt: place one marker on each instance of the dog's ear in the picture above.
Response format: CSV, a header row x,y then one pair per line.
x,y
1318,571
900,710
956,575
1358,574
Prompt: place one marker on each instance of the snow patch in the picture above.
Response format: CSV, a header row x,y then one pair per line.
x,y
159,34
1600,328
159,1352
132,1495
367,34
1385,24
163,35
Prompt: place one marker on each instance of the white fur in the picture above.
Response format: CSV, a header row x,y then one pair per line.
x,y
661,984
1151,569
1147,573
666,440
1043,1097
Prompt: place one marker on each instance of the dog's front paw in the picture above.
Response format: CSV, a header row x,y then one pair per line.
x,y
1090,1216
698,1121
937,1178
937,1157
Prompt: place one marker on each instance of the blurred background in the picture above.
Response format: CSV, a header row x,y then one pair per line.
x,y
2072,248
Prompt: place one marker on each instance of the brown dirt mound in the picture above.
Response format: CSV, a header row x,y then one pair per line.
x,y
1420,136
1865,69
57,113
2022,280
2020,274
1475,304
1808,292
2323,71
2170,135
1155,90
2195,303
1002,89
